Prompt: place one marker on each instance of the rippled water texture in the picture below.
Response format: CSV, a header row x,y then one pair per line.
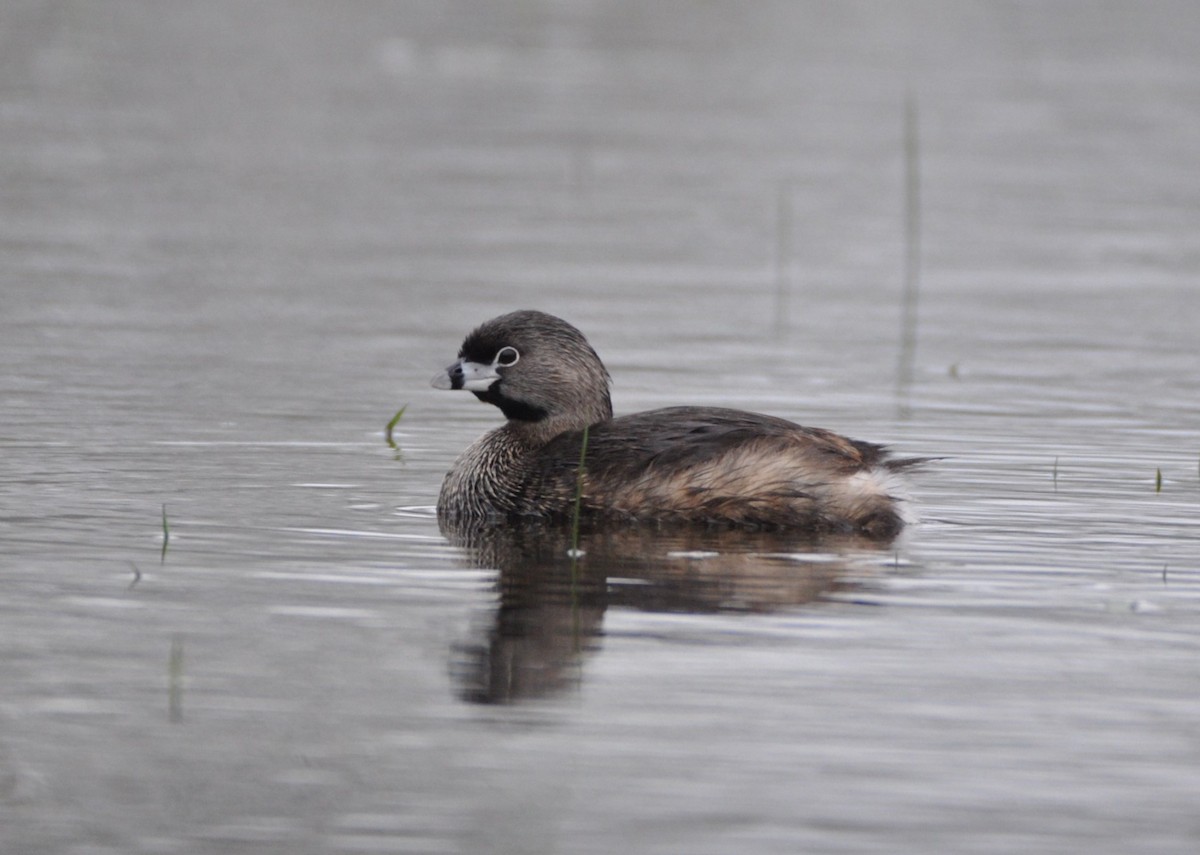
x,y
235,238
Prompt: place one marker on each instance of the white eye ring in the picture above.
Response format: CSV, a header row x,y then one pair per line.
x,y
506,357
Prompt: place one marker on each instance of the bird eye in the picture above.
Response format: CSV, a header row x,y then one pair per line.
x,y
507,356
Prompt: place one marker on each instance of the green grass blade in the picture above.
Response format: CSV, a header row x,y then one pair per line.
x,y
391,425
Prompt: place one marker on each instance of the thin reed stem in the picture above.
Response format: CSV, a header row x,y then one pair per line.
x,y
578,495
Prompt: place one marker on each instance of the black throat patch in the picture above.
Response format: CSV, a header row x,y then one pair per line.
x,y
512,409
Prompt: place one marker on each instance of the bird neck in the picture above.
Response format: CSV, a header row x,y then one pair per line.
x,y
533,435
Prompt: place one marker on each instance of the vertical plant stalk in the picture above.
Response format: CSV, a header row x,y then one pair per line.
x,y
175,681
576,620
912,252
578,509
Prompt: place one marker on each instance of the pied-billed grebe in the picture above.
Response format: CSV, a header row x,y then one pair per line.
x,y
681,464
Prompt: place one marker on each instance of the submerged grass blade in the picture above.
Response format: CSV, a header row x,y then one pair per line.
x,y
1158,480
166,535
391,425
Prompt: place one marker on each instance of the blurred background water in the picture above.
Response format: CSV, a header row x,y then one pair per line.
x,y
236,237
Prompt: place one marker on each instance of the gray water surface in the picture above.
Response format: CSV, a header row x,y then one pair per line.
x,y
236,237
